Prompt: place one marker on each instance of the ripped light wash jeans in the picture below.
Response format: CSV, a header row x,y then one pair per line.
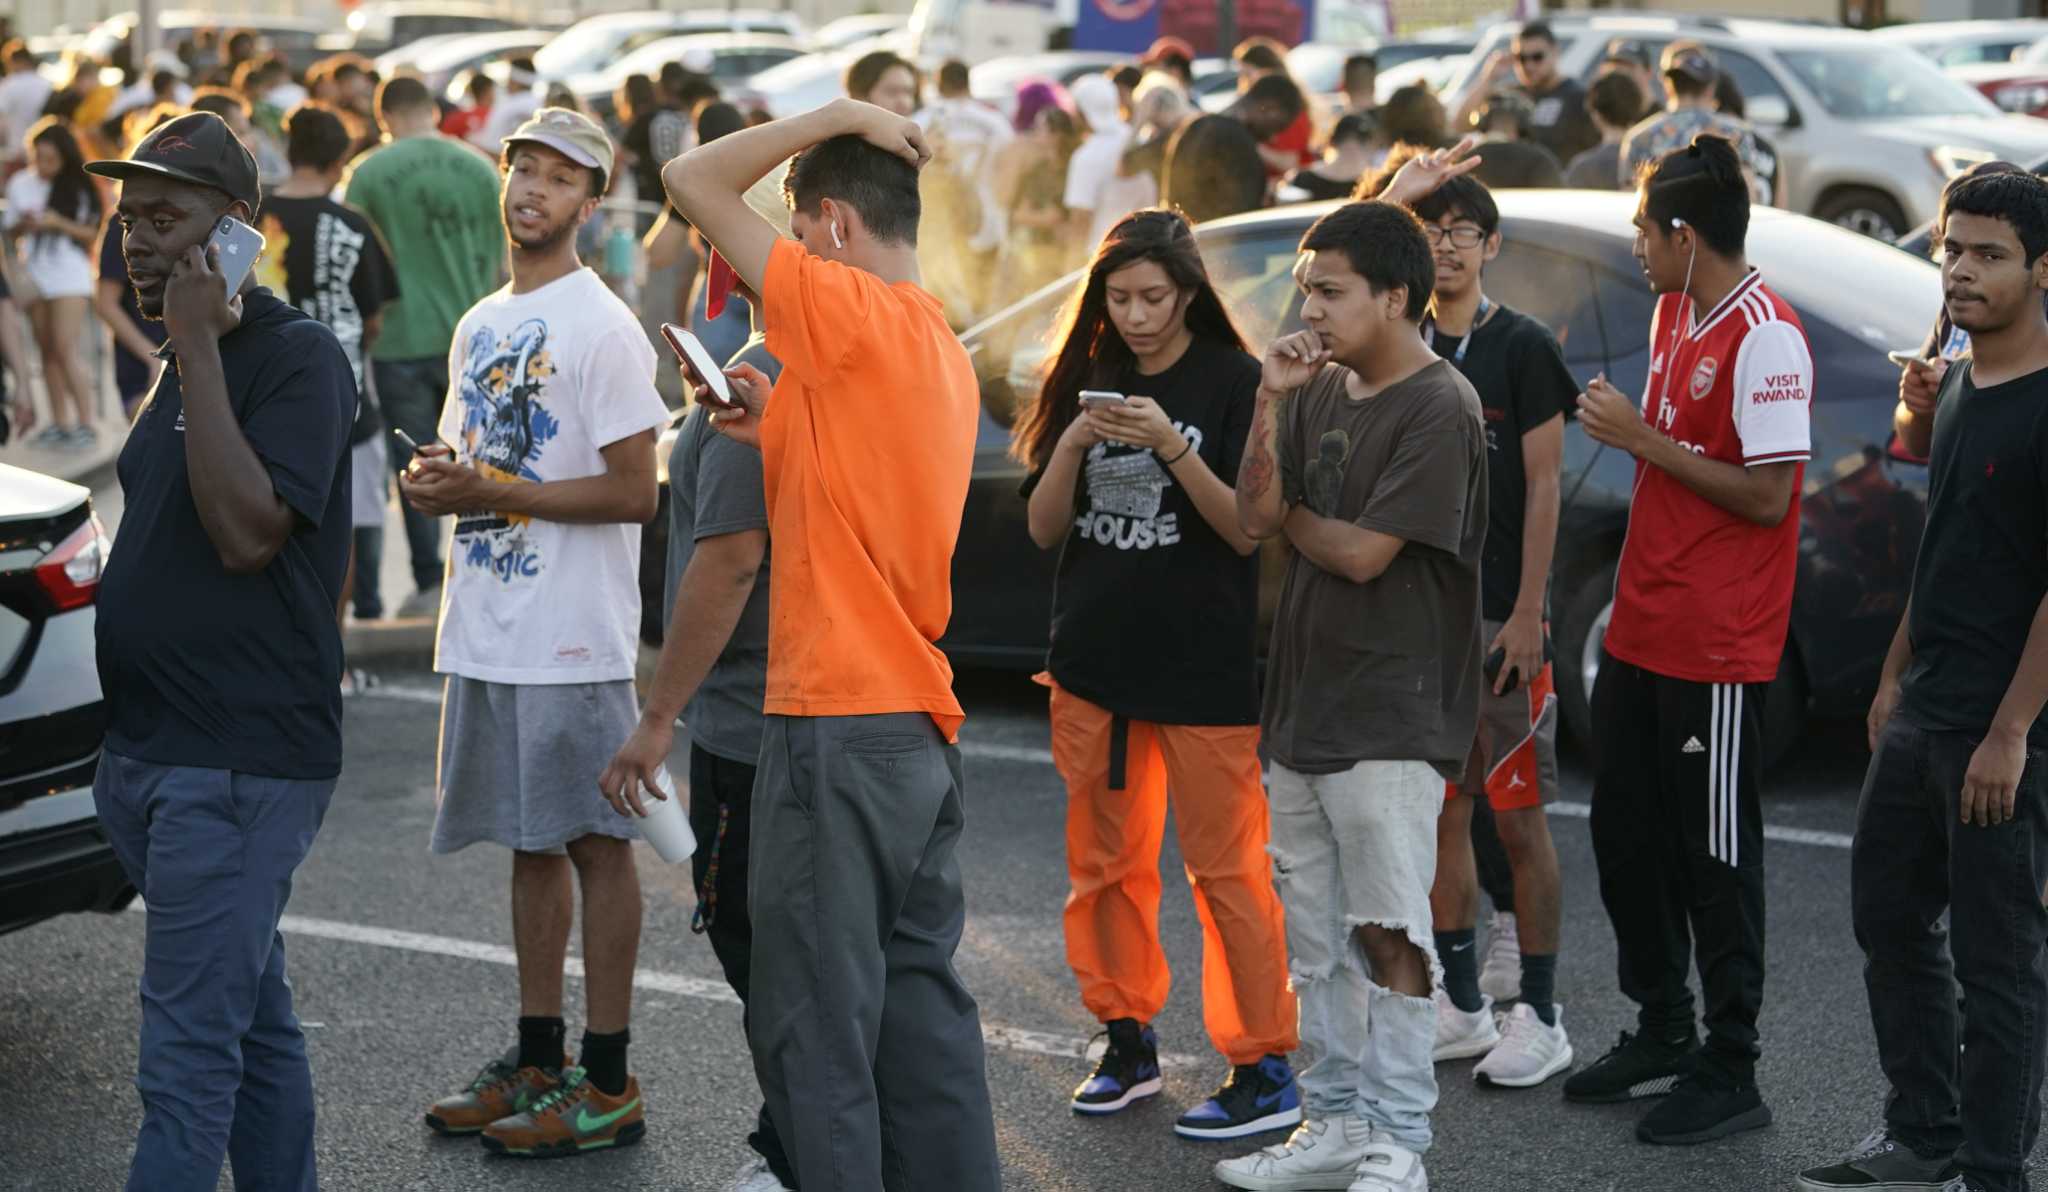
x,y
1358,849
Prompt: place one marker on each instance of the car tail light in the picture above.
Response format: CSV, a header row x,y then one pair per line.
x,y
70,575
2022,97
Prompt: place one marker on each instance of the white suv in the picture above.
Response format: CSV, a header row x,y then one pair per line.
x,y
1867,131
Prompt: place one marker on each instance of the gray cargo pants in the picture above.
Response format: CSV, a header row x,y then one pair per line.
x,y
867,1045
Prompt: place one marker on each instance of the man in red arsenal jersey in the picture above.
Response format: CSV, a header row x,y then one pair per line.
x,y
1700,613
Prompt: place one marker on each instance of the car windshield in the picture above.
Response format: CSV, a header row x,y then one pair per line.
x,y
1882,83
581,49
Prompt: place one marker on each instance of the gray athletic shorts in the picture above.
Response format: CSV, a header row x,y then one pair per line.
x,y
519,763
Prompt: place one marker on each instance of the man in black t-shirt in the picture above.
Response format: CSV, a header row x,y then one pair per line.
x,y
1524,388
221,662
1558,119
1954,811
327,260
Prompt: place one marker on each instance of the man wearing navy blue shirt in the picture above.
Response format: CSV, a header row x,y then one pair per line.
x,y
221,662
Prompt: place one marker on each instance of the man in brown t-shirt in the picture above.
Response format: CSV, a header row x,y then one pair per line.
x,y
1368,451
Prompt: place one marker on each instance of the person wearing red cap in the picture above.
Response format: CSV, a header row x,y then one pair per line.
x,y
867,448
1175,58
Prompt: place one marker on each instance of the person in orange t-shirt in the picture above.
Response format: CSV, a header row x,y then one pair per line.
x,y
867,446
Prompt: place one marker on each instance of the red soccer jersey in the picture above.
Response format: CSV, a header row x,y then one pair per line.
x,y
1704,595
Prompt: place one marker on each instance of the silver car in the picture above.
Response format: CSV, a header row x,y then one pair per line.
x,y
1867,131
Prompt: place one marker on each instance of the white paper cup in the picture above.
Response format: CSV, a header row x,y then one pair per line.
x,y
666,825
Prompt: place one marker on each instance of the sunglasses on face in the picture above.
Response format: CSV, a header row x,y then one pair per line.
x,y
1460,236
1533,57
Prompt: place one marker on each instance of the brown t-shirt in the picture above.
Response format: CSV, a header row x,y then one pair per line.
x,y
1387,670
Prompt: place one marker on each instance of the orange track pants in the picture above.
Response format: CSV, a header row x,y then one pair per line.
x,y
1114,832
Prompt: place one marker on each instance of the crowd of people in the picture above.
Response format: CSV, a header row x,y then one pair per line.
x,y
1339,826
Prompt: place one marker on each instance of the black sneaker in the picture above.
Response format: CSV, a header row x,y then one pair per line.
x,y
1881,1163
1701,1109
1254,1098
1129,1070
1638,1066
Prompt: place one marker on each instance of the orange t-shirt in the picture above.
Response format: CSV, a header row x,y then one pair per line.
x,y
867,449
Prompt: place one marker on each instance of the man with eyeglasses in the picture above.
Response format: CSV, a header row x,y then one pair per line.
x,y
1515,365
1558,119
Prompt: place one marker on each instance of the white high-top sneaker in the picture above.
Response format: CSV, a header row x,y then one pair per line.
x,y
1390,1167
1322,1155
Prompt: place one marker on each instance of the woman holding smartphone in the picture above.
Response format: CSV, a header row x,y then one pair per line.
x,y
1151,668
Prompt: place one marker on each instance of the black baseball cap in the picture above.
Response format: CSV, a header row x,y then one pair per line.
x,y
199,148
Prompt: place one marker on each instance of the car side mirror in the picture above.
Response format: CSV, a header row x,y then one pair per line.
x,y
1773,110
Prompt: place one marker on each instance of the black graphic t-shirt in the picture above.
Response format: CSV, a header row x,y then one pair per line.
x,y
1515,364
1154,615
326,260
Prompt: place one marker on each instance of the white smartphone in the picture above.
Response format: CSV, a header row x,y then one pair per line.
x,y
1101,397
1903,357
698,366
239,246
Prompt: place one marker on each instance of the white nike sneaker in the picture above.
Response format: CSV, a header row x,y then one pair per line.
x,y
1501,979
1322,1155
1529,1054
1460,1036
1390,1167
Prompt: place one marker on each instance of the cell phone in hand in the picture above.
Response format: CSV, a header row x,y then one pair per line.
x,y
1904,357
1102,399
1494,662
699,368
239,245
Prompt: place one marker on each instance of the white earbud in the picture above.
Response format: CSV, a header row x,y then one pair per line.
x,y
1677,224
836,241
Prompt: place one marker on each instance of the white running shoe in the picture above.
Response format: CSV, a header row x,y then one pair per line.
x,y
1460,1036
1529,1054
1501,979
755,1177
1390,1167
1322,1155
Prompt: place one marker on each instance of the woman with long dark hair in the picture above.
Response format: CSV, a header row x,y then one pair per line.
x,y
53,217
1151,668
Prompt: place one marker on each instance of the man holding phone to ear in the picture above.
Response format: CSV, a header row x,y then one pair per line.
x,y
857,1016
221,662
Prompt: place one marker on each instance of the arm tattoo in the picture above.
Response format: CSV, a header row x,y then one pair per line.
x,y
1255,475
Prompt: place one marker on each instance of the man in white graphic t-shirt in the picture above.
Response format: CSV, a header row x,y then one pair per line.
x,y
546,460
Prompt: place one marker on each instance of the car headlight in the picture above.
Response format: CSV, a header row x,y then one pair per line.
x,y
2022,97
1952,160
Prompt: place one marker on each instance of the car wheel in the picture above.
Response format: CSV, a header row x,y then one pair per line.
x,y
1576,633
1868,212
1785,706
1581,626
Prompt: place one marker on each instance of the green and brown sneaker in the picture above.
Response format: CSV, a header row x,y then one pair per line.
x,y
575,1116
502,1089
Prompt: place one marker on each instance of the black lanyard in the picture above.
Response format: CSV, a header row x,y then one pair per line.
x,y
1458,357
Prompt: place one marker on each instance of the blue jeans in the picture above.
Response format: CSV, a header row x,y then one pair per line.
x,y
410,394
223,1069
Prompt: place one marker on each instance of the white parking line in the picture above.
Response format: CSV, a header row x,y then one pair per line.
x,y
1007,1038
1028,756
